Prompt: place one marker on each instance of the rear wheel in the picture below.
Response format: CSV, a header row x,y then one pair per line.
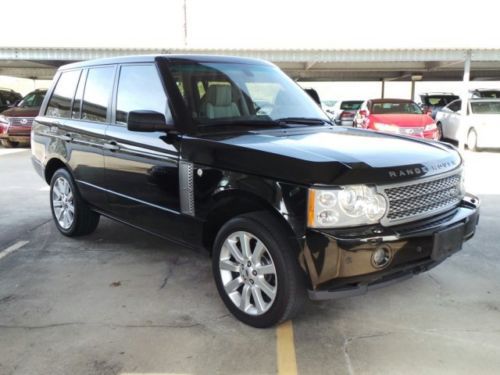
x,y
72,215
256,270
8,144
472,140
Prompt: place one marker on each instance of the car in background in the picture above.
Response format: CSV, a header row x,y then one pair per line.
x,y
479,126
327,105
8,98
399,116
485,93
432,102
15,122
344,111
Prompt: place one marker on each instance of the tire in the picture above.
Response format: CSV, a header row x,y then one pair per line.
x,y
8,144
72,215
440,131
472,140
257,277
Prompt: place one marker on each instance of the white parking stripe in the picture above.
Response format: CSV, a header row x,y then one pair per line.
x,y
4,151
12,248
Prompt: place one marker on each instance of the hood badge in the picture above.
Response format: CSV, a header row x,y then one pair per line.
x,y
418,171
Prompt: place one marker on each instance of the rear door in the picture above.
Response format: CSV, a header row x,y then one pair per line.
x,y
142,179
75,136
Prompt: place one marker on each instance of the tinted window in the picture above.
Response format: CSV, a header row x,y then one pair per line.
x,y
487,108
439,100
97,93
77,102
60,102
33,100
455,106
139,88
351,105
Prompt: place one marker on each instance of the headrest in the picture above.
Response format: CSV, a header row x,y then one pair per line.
x,y
220,95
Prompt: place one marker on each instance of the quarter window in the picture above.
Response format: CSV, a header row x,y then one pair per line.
x,y
97,93
60,102
139,88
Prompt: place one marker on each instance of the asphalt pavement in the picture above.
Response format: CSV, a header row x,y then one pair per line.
x,y
122,302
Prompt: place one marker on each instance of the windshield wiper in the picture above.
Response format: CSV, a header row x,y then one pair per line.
x,y
303,120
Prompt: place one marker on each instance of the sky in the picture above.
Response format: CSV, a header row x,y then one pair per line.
x,y
252,24
259,24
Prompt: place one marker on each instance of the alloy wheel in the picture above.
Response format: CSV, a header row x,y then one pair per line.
x,y
248,273
63,203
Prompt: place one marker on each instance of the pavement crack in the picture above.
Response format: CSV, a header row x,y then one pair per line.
x,y
347,342
170,270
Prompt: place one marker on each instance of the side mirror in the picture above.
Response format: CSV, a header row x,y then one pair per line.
x,y
147,121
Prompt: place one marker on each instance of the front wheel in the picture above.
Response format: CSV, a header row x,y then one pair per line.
x,y
472,140
72,215
256,270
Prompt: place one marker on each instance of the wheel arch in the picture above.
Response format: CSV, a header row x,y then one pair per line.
x,y
232,203
52,166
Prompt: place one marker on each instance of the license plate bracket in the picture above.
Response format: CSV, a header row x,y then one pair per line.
x,y
448,242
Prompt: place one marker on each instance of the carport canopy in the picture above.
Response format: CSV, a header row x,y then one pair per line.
x,y
301,64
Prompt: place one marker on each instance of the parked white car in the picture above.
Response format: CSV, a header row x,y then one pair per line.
x,y
343,112
479,127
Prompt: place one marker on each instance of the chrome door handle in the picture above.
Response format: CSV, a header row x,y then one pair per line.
x,y
111,146
67,138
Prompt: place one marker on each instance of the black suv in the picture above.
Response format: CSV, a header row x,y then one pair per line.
x,y
230,155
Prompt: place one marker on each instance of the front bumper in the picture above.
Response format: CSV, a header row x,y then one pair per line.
x,y
339,262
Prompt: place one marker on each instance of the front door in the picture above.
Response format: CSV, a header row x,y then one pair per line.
x,y
141,169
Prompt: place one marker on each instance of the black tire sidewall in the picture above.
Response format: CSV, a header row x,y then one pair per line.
x,y
76,202
276,244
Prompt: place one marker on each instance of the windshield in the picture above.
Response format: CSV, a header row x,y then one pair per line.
x,y
396,107
351,105
33,99
486,108
225,93
489,94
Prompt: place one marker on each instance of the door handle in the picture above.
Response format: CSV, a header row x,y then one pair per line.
x,y
67,137
111,146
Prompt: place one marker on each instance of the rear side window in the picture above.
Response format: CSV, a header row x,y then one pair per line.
x,y
139,88
97,93
60,102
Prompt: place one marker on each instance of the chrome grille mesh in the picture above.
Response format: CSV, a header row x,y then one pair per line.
x,y
21,121
408,201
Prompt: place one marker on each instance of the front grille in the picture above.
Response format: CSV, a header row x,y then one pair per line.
x,y
422,199
21,121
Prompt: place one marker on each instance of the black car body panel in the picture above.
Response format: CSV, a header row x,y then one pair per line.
x,y
183,183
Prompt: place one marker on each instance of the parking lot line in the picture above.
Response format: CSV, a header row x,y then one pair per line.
x,y
285,349
12,248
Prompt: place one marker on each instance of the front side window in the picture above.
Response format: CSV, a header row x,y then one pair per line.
x,y
396,108
241,93
139,88
60,103
97,93
455,106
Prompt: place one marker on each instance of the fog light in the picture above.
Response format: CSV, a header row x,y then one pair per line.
x,y
381,257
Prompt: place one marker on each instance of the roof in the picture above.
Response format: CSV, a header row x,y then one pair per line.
x,y
173,57
389,100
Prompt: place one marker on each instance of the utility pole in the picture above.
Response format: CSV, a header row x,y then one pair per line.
x,y
185,23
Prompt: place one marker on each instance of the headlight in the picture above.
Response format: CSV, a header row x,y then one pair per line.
x,y
4,120
430,127
386,127
345,206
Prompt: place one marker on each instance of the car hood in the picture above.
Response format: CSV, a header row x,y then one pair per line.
x,y
402,119
326,155
21,112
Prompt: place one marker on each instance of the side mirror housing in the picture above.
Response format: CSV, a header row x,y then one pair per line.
x,y
147,121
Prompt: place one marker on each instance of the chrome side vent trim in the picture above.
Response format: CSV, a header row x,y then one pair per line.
x,y
186,187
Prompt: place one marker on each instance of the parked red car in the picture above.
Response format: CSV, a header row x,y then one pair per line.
x,y
15,122
399,116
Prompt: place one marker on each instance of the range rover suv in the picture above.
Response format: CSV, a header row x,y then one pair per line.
x,y
230,155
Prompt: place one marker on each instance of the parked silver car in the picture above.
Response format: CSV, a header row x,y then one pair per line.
x,y
478,128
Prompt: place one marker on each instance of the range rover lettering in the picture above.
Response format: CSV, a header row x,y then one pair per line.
x,y
230,155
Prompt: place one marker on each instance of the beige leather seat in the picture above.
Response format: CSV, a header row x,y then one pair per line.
x,y
220,102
